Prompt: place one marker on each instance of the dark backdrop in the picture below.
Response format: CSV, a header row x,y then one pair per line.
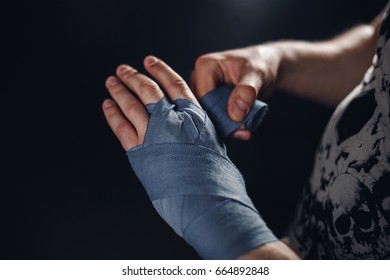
x,y
67,190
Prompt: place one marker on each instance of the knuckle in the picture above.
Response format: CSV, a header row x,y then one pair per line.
x,y
128,144
116,89
148,87
121,130
110,114
262,68
203,60
132,108
247,93
177,85
127,72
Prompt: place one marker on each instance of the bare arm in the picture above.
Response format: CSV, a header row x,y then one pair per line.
x,y
321,71
327,71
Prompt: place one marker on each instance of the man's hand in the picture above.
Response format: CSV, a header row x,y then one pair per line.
x,y
176,153
252,70
126,114
324,72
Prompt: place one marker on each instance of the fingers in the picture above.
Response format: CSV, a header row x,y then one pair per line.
x,y
243,96
207,75
146,89
121,127
130,106
173,84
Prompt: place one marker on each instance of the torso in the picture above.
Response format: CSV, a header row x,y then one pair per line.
x,y
344,211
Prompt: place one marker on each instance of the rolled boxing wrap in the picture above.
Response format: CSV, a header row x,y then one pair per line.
x,y
215,103
193,185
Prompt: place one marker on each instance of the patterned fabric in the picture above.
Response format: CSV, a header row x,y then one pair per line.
x,y
344,211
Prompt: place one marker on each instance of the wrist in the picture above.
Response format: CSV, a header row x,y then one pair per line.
x,y
300,60
267,59
291,55
202,196
347,55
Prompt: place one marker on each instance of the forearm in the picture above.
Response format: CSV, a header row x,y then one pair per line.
x,y
326,71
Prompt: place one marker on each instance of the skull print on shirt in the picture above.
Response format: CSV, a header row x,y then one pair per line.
x,y
344,211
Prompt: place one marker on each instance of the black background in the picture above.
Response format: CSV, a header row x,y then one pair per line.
x,y
67,190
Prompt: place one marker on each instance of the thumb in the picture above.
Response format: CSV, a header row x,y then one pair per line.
x,y
206,77
244,95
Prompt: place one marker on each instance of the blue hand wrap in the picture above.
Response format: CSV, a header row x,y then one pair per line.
x,y
215,103
193,185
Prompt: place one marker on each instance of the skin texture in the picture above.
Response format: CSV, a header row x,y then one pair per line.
x,y
131,90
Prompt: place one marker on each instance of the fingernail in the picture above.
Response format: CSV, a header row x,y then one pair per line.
x,y
151,61
123,68
112,81
108,103
240,110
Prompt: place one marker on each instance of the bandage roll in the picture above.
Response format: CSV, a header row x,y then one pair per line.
x,y
215,103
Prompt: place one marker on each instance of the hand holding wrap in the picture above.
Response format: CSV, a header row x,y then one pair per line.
x,y
215,103
193,185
